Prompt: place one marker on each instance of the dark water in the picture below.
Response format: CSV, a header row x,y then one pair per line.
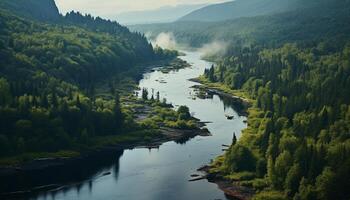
x,y
143,174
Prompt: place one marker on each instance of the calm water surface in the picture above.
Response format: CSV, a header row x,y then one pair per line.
x,y
159,174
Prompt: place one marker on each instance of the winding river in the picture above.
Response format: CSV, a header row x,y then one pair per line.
x,y
159,174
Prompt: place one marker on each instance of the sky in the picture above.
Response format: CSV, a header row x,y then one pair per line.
x,y
111,7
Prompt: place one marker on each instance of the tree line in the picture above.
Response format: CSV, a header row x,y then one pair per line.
x,y
49,74
298,130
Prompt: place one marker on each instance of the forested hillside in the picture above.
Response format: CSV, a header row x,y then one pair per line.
x,y
297,144
298,140
327,18
49,74
44,10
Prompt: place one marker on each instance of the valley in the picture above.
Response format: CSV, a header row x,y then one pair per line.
x,y
244,99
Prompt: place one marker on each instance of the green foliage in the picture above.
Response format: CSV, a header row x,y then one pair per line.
x,y
298,128
261,167
333,184
184,113
292,180
163,115
50,67
43,10
270,195
165,53
239,158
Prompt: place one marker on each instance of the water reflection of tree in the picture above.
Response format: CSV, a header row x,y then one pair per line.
x,y
184,139
74,175
232,103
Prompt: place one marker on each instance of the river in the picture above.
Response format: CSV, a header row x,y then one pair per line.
x,y
159,174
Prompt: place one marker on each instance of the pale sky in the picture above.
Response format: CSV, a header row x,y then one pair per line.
x,y
111,7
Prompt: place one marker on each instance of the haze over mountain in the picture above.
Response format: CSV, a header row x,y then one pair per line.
x,y
68,106
240,8
162,14
305,20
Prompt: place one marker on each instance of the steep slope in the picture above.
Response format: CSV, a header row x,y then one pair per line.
x,y
52,75
44,10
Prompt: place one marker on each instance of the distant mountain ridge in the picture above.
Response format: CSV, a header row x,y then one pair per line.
x,y
308,21
43,10
243,8
163,14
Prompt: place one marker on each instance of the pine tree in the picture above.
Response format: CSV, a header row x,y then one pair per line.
x,y
118,114
234,139
144,94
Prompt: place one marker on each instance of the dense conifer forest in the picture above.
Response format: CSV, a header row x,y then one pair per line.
x,y
63,78
52,72
297,144
297,140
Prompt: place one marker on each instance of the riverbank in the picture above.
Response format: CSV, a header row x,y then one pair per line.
x,y
241,100
157,121
231,186
46,174
232,189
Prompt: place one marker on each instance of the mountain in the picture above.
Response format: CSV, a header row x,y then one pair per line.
x,y
239,8
163,14
45,10
310,21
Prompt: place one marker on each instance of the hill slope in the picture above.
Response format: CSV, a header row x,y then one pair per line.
x,y
163,14
250,8
51,74
237,9
312,22
45,10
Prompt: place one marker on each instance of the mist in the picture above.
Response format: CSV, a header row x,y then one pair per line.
x,y
215,48
165,40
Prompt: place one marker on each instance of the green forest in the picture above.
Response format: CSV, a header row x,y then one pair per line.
x,y
68,82
297,141
61,81
294,67
297,144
